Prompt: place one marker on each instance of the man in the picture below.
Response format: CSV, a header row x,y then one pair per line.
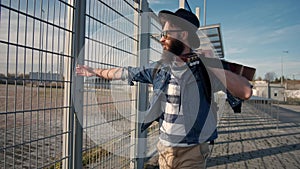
x,y
182,78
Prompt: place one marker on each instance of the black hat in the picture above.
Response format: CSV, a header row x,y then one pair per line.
x,y
185,20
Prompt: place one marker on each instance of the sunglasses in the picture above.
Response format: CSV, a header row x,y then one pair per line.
x,y
165,33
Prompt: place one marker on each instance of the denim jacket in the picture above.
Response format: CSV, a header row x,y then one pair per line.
x,y
200,123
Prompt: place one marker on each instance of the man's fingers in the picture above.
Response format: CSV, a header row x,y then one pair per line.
x,y
80,70
84,70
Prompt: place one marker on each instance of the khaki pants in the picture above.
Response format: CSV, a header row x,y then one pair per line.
x,y
193,157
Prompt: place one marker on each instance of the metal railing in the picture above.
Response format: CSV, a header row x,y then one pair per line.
x,y
267,108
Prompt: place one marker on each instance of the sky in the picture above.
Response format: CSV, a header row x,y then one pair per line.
x,y
256,33
264,34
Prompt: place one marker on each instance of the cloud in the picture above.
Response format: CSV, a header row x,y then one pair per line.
x,y
263,66
156,2
13,29
242,36
259,39
231,51
281,34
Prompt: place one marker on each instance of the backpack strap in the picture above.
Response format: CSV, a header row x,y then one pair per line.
x,y
206,81
156,68
195,60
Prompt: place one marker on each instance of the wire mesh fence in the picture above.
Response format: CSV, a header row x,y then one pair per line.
x,y
37,109
35,44
110,42
49,117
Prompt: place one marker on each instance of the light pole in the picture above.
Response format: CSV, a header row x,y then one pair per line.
x,y
204,13
281,79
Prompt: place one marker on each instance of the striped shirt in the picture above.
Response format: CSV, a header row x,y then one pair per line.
x,y
173,128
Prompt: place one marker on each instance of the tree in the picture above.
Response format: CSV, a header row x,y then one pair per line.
x,y
259,78
270,76
277,80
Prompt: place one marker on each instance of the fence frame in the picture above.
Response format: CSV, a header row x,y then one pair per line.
x,y
72,129
78,52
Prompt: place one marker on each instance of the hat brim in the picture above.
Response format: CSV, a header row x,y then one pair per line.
x,y
194,40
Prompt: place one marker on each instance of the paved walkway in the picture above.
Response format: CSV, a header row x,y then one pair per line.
x,y
253,139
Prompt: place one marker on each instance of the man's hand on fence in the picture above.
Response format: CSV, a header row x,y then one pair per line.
x,y
84,70
109,74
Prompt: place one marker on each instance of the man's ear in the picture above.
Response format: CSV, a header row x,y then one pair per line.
x,y
184,35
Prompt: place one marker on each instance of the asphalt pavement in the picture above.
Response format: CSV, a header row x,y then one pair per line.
x,y
288,113
258,138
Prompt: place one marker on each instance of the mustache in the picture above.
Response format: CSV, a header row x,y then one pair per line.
x,y
175,47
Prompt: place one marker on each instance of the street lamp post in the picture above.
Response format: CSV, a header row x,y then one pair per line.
x,y
281,79
204,13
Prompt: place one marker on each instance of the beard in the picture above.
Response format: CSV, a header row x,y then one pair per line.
x,y
176,48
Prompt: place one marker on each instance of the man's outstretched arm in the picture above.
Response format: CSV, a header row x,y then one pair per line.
x,y
109,74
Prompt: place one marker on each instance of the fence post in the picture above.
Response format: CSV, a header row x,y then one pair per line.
x,y
133,140
277,116
67,140
77,85
142,102
271,111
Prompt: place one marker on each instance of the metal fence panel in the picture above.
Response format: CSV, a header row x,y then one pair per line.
x,y
35,46
111,40
38,104
155,51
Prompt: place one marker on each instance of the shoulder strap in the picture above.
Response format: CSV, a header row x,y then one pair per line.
x,y
202,72
156,68
206,82
205,79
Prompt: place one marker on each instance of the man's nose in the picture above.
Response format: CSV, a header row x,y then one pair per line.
x,y
162,39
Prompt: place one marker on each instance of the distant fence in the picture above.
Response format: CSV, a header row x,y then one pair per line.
x,y
49,118
265,107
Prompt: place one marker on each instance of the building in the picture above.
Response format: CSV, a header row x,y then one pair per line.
x,y
46,79
267,90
